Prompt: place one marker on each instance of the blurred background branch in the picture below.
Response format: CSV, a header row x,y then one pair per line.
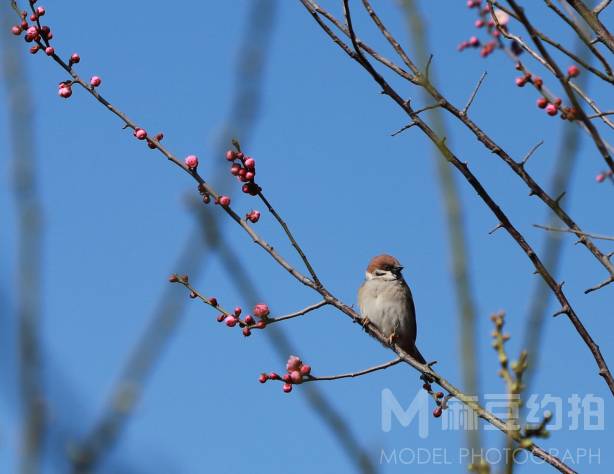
x,y
27,279
453,211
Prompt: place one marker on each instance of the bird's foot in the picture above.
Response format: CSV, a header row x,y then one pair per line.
x,y
365,322
392,338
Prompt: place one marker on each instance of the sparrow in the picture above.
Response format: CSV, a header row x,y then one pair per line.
x,y
385,301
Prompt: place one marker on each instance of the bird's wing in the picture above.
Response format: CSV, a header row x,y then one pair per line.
x,y
361,291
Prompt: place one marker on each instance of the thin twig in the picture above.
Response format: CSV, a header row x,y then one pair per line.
x,y
297,313
293,241
313,378
559,229
530,153
474,93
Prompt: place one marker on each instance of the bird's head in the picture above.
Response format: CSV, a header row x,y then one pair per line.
x,y
384,267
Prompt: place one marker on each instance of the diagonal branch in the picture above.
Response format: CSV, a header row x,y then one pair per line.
x,y
462,167
594,22
564,81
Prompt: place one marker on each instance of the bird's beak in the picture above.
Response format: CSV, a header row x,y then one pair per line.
x,y
398,269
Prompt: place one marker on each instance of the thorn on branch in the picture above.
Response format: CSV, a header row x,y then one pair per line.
x,y
563,310
561,196
495,229
409,125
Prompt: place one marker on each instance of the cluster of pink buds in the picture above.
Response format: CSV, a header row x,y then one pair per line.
x,y
601,177
472,42
34,32
244,168
551,106
248,322
485,20
296,373
440,400
65,89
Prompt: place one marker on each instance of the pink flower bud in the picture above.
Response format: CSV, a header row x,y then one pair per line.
x,y
213,301
479,23
520,81
193,295
191,162
231,321
49,50
263,378
287,388
274,376
40,11
230,155
224,201
573,71
305,369
551,109
253,216
249,176
437,412
65,92
75,58
221,318
237,311
286,378
173,278
234,169
140,134
16,30
296,376
294,363
600,178
537,81
261,310
34,49
249,319
247,332
474,41
542,102
95,81
250,163
260,325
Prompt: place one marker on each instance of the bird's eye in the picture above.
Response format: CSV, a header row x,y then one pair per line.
x,y
379,273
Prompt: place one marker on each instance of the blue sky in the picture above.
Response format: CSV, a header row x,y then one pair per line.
x,y
117,215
